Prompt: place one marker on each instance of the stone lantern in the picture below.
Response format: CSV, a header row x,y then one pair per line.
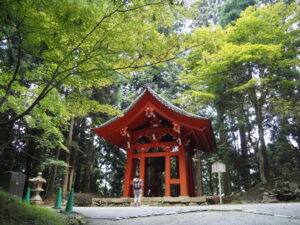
x,y
37,187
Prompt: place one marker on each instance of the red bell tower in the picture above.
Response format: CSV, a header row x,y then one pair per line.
x,y
160,140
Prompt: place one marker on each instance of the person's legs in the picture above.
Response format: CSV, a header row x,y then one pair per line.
x,y
139,198
136,194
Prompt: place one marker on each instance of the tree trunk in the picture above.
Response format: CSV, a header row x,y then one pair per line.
x,y
77,182
239,180
245,171
224,145
6,148
227,185
88,167
72,169
262,156
12,160
68,156
51,184
199,183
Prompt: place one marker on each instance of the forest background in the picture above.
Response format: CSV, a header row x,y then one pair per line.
x,y
68,66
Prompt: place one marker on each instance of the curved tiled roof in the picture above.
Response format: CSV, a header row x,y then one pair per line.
x,y
161,100
134,117
173,107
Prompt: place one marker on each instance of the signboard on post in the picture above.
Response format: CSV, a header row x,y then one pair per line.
x,y
219,167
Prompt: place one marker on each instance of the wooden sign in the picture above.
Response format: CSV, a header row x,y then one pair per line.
x,y
218,167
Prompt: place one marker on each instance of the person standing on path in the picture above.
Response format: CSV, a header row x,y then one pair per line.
x,y
137,185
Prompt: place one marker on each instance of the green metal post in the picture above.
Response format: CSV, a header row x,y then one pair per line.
x,y
58,199
69,207
27,196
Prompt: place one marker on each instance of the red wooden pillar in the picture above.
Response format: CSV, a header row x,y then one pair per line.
x,y
128,170
167,173
183,172
142,171
191,176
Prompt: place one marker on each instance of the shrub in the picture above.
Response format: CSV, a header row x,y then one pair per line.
x,y
83,199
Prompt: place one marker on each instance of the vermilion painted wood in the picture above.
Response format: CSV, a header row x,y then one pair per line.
x,y
174,181
127,178
136,117
148,132
183,172
190,175
190,133
155,154
167,174
142,171
155,144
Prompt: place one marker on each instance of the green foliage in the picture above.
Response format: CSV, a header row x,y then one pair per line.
x,y
207,12
231,10
77,45
80,106
265,25
252,83
63,59
249,47
191,96
112,161
53,162
14,212
243,73
86,59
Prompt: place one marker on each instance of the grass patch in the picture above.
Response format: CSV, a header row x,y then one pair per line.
x,y
14,212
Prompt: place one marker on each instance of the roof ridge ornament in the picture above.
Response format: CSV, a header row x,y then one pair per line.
x,y
148,84
149,112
